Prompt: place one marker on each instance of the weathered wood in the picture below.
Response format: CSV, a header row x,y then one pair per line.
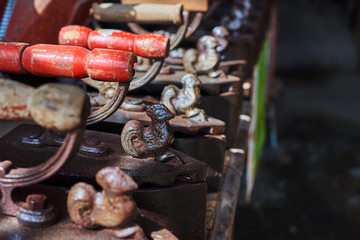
x,y
189,5
140,13
10,54
54,106
146,45
78,62
67,61
58,106
13,100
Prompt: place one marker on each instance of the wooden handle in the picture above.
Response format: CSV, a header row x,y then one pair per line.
x,y
54,106
67,61
139,13
145,45
189,5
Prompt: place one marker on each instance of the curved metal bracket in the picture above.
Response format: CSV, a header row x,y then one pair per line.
x,y
22,177
150,75
108,109
195,23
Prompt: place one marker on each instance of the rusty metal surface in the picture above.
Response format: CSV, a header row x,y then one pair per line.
x,y
85,166
229,194
213,86
225,107
209,149
54,103
113,208
212,201
174,215
180,208
151,141
179,123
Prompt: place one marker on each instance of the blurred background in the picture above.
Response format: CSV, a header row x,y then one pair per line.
x,y
308,186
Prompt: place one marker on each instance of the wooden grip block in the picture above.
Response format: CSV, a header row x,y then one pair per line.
x,y
55,106
146,45
58,106
10,54
67,61
140,13
189,5
13,100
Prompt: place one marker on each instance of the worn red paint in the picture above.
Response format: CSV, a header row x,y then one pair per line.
x,y
10,54
146,45
111,65
15,112
74,35
78,62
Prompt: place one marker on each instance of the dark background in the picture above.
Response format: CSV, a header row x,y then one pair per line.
x,y
308,187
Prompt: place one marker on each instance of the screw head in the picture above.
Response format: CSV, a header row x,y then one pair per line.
x,y
35,201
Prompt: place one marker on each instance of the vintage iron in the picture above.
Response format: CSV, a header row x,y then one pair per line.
x,y
157,180
73,62
195,132
150,46
185,100
155,140
53,106
113,208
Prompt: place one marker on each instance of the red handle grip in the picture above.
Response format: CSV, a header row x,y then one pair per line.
x,y
67,61
146,45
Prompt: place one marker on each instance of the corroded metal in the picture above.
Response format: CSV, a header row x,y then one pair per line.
x,y
112,208
141,142
134,105
53,113
85,166
185,100
135,108
180,208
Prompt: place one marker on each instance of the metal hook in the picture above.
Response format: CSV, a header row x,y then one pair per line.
x,y
108,109
51,106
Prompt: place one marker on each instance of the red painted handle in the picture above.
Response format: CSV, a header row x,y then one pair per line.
x,y
146,45
67,61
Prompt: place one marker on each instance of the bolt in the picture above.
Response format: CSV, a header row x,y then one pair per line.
x,y
92,141
134,101
35,202
34,133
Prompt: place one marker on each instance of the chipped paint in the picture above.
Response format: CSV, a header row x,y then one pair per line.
x,y
107,32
